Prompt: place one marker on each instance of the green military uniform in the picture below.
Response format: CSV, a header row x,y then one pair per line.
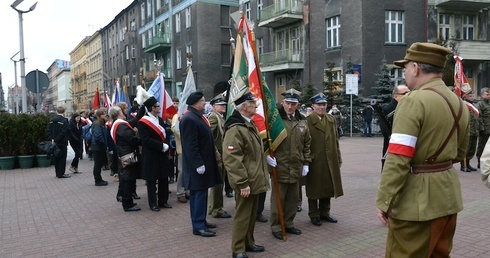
x,y
422,123
291,155
474,130
217,124
246,165
324,180
484,134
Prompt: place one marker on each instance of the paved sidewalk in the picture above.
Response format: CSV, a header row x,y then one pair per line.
x,y
43,216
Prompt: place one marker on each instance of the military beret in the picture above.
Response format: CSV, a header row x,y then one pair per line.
x,y
194,97
425,53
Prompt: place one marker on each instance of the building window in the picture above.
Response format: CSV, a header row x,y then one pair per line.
x,y
150,37
444,26
127,52
133,51
260,5
148,8
333,31
336,74
159,4
225,54
178,59
225,16
394,29
188,49
397,76
468,27
247,10
143,40
177,22
260,46
188,17
143,13
133,25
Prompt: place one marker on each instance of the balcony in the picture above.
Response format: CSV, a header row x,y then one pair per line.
x,y
159,44
467,5
280,14
168,72
282,60
473,50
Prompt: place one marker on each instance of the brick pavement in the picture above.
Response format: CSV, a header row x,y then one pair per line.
x,y
42,216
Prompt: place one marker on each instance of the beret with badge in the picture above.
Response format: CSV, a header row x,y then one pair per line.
x,y
425,53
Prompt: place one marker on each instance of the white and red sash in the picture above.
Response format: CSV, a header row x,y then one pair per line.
x,y
115,125
86,121
154,126
472,108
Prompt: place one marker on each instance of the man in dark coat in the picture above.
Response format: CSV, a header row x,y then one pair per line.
x,y
199,166
59,131
367,115
154,155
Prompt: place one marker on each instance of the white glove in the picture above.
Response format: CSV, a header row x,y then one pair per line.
x,y
165,147
200,170
306,169
271,161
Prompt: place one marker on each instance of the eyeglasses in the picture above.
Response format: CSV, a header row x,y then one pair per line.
x,y
157,106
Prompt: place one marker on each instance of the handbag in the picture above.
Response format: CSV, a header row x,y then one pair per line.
x,y
128,159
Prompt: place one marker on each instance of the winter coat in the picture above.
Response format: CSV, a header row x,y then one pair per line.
x,y
153,158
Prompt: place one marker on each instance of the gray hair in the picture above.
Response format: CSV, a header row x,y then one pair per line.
x,y
114,112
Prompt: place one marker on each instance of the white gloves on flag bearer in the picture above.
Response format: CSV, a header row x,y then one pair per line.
x,y
165,147
200,170
271,161
306,169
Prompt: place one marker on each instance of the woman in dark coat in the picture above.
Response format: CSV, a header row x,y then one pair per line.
x,y
76,141
99,144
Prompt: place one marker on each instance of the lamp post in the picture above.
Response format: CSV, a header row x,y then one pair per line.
x,y
22,58
16,88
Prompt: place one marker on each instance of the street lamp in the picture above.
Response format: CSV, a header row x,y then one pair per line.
x,y
22,58
16,85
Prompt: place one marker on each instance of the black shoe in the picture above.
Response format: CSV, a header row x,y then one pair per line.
x,y
211,225
277,235
471,168
101,183
154,208
316,221
119,198
255,249
261,218
105,168
329,218
165,205
229,194
134,208
299,209
293,231
478,166
465,169
223,215
204,233
239,255
135,196
64,176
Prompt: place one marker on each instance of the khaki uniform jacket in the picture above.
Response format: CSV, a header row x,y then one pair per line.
x,y
217,123
484,107
294,150
176,131
474,123
424,118
243,156
324,180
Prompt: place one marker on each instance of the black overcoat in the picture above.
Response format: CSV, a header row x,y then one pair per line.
x,y
153,159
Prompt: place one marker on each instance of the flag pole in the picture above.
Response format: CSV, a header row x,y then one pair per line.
x,y
267,126
227,97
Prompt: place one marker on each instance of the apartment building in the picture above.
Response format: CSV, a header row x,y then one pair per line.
x,y
50,96
465,27
78,56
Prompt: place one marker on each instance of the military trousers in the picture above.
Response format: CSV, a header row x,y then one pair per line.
x,y
471,148
318,207
288,195
482,141
242,233
216,196
413,239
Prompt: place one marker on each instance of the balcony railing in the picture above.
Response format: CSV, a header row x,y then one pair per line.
x,y
282,13
286,59
159,44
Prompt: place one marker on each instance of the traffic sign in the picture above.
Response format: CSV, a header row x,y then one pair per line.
x,y
37,81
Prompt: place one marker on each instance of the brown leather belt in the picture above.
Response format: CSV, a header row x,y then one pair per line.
x,y
431,168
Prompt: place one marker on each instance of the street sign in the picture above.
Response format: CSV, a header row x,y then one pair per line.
x,y
351,84
37,81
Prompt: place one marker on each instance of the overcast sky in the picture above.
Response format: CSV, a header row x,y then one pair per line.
x,y
51,31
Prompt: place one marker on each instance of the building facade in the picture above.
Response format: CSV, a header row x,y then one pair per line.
x,y
63,79
93,68
50,96
78,55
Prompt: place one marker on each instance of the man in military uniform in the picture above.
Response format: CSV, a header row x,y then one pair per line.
x,y
468,98
293,158
245,163
323,181
484,134
217,123
419,194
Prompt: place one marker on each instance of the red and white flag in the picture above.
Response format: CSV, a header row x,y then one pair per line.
x,y
157,89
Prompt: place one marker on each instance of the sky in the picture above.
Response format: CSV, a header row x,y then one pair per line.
x,y
51,31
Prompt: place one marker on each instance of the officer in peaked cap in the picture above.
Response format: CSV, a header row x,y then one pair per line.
x,y
291,95
318,98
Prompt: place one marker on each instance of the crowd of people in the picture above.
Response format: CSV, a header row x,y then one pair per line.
x,y
419,194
